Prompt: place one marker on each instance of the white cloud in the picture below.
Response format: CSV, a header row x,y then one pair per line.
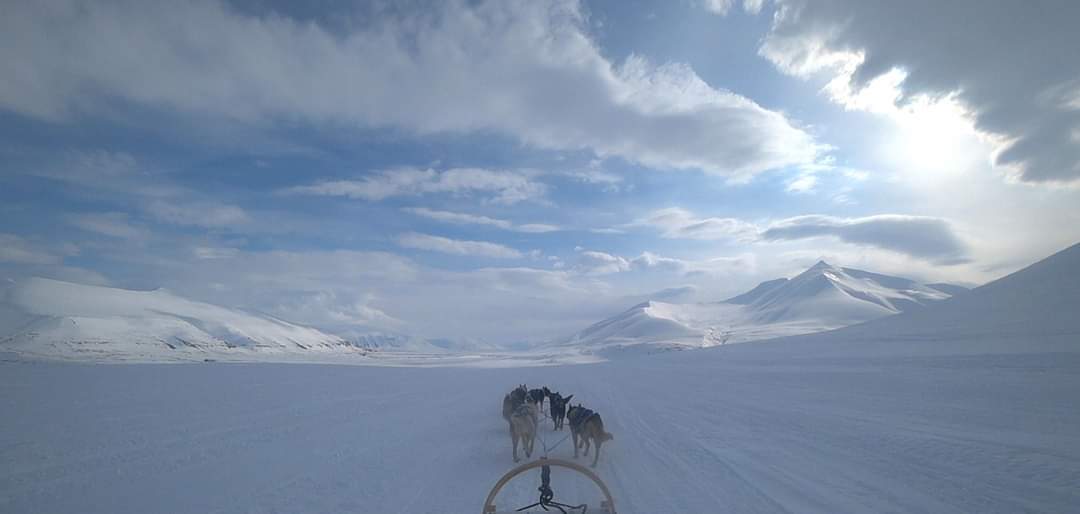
x,y
525,68
591,262
599,263
457,247
537,228
112,224
339,310
803,183
1010,66
458,218
649,260
720,7
679,223
504,187
608,181
607,230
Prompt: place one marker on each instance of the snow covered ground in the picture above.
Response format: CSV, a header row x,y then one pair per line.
x,y
730,429
967,407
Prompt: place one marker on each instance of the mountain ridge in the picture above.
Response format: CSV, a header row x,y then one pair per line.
x,y
822,297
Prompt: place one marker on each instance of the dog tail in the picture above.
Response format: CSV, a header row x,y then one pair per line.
x,y
607,436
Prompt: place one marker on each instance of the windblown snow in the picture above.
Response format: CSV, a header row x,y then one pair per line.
x,y
823,297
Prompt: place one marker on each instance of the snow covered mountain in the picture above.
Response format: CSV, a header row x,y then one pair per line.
x,y
1038,303
49,318
380,341
1034,309
823,297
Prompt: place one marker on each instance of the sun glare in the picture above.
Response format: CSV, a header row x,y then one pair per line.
x,y
934,139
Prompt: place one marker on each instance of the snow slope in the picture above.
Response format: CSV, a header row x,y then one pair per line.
x,y
54,319
380,341
821,298
1036,307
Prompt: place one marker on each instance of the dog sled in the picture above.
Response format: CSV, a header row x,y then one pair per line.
x,y
546,502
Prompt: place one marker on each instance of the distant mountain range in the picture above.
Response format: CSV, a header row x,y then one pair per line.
x,y
844,309
53,319
823,297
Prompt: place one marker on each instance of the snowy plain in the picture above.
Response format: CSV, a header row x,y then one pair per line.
x,y
727,429
967,407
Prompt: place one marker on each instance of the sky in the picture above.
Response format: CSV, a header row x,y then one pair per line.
x,y
512,171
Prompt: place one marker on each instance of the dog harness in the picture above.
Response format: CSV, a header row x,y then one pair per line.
x,y
583,416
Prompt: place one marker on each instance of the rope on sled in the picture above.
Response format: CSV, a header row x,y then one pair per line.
x,y
547,496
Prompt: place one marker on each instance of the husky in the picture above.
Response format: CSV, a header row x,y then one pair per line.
x,y
523,424
557,408
512,400
536,397
586,426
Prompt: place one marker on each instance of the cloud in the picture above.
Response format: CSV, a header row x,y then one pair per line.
x,y
457,247
649,260
14,249
209,252
21,257
679,223
591,262
112,224
802,183
537,228
334,309
599,263
104,171
524,68
198,214
458,218
504,187
918,236
722,7
1011,65
609,182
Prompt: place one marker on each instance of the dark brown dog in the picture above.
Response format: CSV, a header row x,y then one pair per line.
x,y
585,427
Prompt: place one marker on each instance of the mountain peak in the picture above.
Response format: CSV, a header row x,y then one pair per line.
x,y
818,269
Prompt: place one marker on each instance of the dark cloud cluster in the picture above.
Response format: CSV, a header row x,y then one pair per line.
x,y
918,236
1013,65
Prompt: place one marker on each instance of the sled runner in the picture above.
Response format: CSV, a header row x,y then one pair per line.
x,y
547,502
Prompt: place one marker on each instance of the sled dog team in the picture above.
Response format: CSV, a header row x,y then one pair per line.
x,y
522,408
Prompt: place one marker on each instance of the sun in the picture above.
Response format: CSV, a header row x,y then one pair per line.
x,y
934,139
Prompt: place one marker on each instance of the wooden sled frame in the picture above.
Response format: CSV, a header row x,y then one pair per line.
x,y
607,506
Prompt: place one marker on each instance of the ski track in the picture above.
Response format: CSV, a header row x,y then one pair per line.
x,y
694,432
